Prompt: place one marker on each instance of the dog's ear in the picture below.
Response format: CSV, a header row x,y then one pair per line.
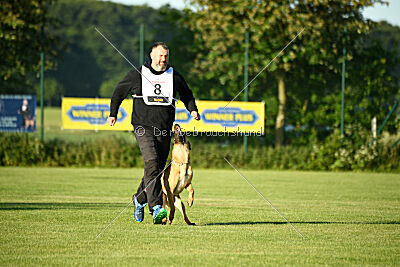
x,y
189,145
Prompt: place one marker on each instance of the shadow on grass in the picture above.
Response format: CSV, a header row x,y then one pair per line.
x,y
57,206
305,222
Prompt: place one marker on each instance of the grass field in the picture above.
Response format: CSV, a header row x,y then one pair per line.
x,y
51,216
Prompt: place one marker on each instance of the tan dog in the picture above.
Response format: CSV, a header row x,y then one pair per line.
x,y
178,176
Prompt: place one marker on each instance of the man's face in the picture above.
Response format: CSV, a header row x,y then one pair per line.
x,y
159,58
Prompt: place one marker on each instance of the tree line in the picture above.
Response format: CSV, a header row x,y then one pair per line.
x,y
301,87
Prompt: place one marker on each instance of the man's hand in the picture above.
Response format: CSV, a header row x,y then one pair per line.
x,y
195,115
111,121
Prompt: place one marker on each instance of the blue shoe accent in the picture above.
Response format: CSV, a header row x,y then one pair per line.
x,y
159,214
139,210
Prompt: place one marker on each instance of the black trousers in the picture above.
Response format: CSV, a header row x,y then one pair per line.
x,y
154,145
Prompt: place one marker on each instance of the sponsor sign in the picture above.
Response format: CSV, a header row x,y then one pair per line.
x,y
92,114
241,117
17,113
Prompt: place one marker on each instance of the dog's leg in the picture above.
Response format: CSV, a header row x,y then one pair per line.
x,y
171,206
165,201
189,188
181,207
168,198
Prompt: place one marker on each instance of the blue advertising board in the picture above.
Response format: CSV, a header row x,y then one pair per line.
x,y
17,113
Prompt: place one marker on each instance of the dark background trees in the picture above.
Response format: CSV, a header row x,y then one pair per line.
x,y
21,42
305,79
90,66
301,88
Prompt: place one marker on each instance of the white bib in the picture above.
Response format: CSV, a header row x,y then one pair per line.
x,y
161,89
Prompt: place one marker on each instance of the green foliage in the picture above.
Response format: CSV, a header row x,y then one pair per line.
x,y
387,35
23,150
373,87
309,68
53,91
355,153
20,150
107,87
210,55
220,29
21,42
90,66
331,154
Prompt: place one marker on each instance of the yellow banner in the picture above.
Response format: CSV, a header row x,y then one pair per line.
x,y
243,117
92,114
240,117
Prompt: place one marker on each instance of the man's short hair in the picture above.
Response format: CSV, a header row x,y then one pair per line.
x,y
157,44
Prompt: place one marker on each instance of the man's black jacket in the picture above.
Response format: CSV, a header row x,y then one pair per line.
x,y
161,117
